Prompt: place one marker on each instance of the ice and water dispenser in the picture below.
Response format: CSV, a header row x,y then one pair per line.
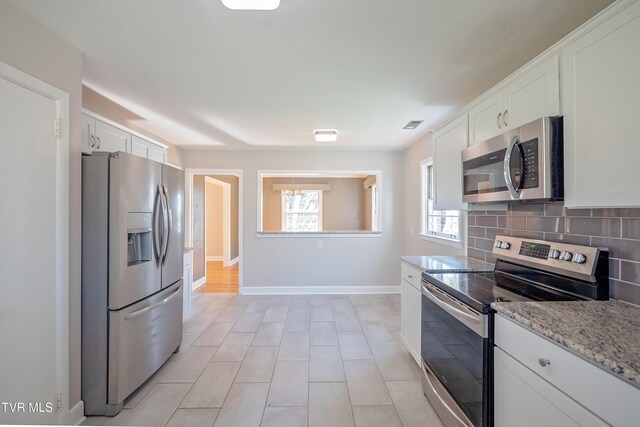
x,y
139,243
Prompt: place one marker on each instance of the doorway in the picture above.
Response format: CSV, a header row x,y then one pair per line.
x,y
214,229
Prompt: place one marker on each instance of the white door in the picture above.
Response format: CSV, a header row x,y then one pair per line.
x,y
485,119
139,147
33,257
111,139
411,318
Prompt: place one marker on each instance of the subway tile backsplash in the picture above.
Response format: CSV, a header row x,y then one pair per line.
x,y
615,229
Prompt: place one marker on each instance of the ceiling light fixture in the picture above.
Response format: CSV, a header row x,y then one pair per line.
x,y
326,135
251,4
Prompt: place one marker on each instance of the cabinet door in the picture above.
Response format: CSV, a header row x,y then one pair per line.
x,y
157,153
139,147
601,101
485,119
524,399
533,95
88,134
411,318
448,143
111,139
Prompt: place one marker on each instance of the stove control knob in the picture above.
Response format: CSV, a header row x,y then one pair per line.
x,y
555,254
579,258
566,256
498,244
505,245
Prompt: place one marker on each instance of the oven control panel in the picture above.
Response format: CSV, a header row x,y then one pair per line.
x,y
568,259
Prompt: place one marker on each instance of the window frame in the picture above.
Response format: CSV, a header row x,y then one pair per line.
x,y
425,233
283,213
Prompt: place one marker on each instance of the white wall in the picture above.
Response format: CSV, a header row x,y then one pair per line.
x,y
414,244
296,261
213,219
32,48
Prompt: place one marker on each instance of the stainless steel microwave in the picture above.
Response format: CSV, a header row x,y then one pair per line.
x,y
523,164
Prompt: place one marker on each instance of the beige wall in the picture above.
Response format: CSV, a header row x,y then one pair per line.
x,y
32,48
198,228
97,103
233,181
297,261
343,207
214,201
414,244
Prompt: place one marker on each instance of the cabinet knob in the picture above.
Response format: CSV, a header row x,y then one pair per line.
x,y
499,121
544,362
410,276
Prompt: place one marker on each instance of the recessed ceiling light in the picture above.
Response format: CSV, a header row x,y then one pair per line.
x,y
251,4
413,124
325,135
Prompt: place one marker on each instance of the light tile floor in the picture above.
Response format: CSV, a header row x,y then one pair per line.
x,y
285,361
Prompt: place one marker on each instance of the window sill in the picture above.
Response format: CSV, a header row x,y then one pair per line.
x,y
442,240
316,234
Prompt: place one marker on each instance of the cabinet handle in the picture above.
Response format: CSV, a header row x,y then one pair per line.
x,y
504,118
93,141
544,362
98,139
499,122
410,276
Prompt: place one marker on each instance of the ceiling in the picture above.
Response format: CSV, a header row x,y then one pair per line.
x,y
201,75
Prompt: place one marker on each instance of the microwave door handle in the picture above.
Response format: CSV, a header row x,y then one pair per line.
x,y
507,168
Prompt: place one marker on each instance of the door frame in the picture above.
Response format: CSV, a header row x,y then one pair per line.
x,y
189,174
61,352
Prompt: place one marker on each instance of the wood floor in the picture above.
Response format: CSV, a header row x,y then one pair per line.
x,y
220,279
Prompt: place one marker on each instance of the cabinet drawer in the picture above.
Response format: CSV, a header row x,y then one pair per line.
x,y
607,396
411,274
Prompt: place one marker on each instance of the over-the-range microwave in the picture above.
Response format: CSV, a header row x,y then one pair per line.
x,y
523,164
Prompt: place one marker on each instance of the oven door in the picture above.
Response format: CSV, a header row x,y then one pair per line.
x,y
456,359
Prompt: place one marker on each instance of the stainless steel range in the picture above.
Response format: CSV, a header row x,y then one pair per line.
x,y
457,319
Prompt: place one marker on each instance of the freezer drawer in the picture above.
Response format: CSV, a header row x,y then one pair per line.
x,y
141,339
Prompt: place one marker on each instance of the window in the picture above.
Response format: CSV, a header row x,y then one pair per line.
x,y
374,207
434,223
301,210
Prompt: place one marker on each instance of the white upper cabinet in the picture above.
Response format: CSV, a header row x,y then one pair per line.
x,y
98,135
534,94
601,103
147,149
448,143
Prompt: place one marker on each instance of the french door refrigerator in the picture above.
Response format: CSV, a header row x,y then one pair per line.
x,y
132,264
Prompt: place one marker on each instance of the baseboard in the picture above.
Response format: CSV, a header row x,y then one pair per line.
x,y
232,262
305,290
215,258
201,281
76,414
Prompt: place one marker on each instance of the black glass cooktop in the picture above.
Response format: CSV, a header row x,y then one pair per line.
x,y
479,290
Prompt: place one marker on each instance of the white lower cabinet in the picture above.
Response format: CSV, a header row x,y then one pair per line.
x,y
540,383
411,313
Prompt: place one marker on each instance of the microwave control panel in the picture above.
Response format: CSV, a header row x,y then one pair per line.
x,y
530,157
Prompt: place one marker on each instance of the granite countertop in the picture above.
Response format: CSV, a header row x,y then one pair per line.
x,y
606,333
447,264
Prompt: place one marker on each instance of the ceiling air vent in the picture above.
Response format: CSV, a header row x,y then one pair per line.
x,y
413,124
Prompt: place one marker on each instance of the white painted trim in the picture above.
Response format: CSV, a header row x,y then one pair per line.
x,y
215,258
123,128
188,176
318,234
197,283
76,414
232,262
314,290
226,216
61,352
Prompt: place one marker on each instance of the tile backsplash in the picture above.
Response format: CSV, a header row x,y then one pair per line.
x,y
615,229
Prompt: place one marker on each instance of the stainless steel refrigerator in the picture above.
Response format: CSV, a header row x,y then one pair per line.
x,y
132,264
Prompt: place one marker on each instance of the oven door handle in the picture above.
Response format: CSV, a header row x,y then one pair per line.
x,y
427,374
454,311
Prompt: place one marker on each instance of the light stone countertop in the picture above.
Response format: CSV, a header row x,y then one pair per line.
x,y
607,333
447,264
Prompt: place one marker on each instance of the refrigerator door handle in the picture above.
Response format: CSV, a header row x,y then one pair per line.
x,y
153,306
156,243
165,223
169,222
